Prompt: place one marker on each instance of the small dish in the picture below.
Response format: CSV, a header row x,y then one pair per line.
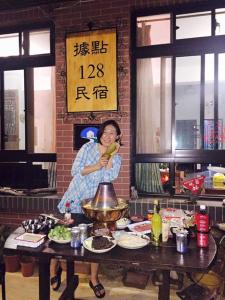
x,y
140,227
88,245
137,218
132,240
122,223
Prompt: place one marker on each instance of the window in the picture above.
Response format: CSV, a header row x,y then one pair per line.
x,y
27,110
179,100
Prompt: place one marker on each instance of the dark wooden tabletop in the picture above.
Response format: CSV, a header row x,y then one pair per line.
x,y
164,257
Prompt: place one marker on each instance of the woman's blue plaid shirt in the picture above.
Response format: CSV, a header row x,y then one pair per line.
x,y
84,187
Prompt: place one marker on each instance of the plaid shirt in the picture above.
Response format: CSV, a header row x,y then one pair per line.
x,y
84,187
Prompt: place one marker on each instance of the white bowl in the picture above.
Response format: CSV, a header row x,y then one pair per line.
x,y
122,223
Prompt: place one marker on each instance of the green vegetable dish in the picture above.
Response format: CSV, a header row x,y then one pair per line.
x,y
60,233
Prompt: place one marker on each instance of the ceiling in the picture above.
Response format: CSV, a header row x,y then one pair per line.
x,y
17,4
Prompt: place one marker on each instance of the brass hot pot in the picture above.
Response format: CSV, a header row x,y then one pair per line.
x,y
105,209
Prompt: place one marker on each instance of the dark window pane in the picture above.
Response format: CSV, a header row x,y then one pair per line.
x,y
152,178
209,179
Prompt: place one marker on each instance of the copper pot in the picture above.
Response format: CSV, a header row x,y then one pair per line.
x,y
105,215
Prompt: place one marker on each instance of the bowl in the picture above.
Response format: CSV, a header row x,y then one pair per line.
x,y
137,218
122,223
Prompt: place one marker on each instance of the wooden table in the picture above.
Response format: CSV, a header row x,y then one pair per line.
x,y
164,258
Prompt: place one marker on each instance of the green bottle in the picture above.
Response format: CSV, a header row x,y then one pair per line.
x,y
156,224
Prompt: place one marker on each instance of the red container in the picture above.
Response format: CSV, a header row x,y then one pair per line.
x,y
202,223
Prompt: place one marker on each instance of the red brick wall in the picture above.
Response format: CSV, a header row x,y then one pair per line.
x,y
73,17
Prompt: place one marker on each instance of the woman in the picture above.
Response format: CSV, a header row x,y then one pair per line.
x,y
89,169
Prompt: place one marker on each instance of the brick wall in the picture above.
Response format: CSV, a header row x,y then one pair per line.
x,y
73,17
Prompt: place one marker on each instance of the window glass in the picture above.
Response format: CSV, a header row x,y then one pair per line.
x,y
44,110
200,179
220,21
152,178
39,42
209,132
14,108
193,25
187,102
153,30
9,44
221,101
153,105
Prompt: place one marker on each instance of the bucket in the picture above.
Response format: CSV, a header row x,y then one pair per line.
x,y
12,263
27,266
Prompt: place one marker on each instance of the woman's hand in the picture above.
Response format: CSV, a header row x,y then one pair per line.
x,y
103,161
66,222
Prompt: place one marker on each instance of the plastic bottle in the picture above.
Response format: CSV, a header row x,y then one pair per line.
x,y
202,223
67,215
156,224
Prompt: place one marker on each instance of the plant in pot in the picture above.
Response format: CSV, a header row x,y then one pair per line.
x,y
27,265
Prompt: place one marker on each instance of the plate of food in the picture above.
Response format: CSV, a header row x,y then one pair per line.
x,y
99,244
140,227
132,240
122,223
60,235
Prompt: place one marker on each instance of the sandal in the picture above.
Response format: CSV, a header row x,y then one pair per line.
x,y
97,289
56,279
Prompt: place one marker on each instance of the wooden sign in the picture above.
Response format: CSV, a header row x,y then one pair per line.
x,y
91,71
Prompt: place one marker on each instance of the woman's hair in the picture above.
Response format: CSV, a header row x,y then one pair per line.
x,y
103,126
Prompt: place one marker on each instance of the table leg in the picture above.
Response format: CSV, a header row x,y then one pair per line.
x,y
164,288
72,282
44,279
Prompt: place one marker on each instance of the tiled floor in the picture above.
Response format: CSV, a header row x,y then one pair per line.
x,y
26,288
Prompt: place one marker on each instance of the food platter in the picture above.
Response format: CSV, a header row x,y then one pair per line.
x,y
122,223
60,241
133,240
88,245
140,227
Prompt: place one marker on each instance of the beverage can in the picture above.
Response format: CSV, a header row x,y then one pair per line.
x,y
181,242
75,237
83,232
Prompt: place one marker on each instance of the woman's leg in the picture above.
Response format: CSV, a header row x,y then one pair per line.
x,y
53,267
94,281
55,274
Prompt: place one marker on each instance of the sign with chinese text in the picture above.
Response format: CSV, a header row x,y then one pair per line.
x,y
91,71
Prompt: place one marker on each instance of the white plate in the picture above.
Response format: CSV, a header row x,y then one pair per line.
x,y
126,241
133,227
88,242
217,169
60,241
122,223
